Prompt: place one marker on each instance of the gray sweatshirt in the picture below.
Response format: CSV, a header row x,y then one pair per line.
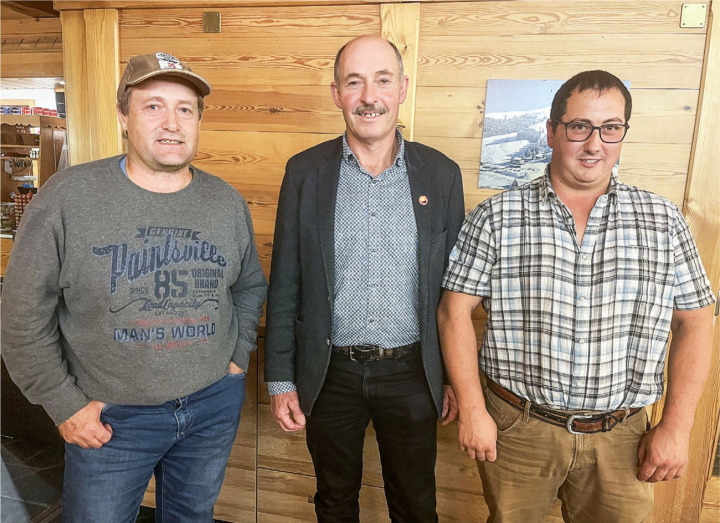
x,y
122,295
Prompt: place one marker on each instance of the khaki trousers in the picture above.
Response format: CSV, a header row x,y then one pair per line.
x,y
594,475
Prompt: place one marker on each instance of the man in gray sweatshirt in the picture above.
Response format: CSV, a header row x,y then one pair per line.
x,y
130,307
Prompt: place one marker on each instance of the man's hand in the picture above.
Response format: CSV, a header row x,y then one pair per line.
x,y
84,428
286,409
477,435
234,369
450,407
662,454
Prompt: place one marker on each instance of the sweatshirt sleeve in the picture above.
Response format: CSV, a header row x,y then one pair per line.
x,y
248,293
31,344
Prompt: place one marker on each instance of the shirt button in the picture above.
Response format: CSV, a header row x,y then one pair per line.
x,y
327,341
585,257
582,298
581,340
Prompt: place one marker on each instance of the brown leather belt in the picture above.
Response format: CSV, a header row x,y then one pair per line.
x,y
375,352
574,423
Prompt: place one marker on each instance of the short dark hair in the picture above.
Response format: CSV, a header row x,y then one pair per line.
x,y
124,103
336,68
600,81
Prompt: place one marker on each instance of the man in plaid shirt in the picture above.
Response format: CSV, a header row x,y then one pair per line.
x,y
582,278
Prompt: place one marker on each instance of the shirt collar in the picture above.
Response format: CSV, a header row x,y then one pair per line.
x,y
546,188
399,158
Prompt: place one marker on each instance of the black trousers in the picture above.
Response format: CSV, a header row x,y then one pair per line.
x,y
393,394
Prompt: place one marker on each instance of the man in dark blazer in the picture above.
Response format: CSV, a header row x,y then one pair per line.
x,y
365,224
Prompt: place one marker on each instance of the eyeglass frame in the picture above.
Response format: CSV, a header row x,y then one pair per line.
x,y
593,127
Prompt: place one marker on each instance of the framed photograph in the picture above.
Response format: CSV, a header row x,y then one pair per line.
x,y
514,144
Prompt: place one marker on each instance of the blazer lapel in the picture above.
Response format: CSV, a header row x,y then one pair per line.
x,y
327,183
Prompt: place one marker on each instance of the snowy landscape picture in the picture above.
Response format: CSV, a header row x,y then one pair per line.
x,y
514,144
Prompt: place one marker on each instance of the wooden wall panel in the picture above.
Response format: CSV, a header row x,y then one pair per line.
x,y
534,18
277,108
31,48
261,46
654,61
258,22
400,25
286,498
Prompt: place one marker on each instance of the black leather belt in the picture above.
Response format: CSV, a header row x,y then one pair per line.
x,y
375,352
578,423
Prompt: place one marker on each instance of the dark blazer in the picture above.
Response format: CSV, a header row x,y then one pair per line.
x,y
302,275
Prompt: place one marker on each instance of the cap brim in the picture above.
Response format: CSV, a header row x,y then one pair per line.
x,y
202,86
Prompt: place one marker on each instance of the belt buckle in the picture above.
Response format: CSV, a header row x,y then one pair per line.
x,y
573,417
360,351
352,353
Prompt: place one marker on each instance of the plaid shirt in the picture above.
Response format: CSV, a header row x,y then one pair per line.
x,y
578,327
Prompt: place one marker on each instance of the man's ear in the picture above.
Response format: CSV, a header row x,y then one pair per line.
x,y
405,82
550,133
335,91
122,118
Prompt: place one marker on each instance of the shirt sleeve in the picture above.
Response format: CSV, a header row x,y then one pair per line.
x,y
471,260
30,335
692,286
248,294
280,387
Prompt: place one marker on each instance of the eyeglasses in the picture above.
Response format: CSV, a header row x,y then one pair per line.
x,y
581,131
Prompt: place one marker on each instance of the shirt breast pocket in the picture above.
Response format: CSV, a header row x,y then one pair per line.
x,y
641,273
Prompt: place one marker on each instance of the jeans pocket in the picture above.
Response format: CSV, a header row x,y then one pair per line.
x,y
638,424
105,407
506,416
236,376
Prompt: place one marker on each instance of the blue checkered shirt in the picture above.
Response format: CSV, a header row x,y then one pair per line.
x,y
376,266
578,327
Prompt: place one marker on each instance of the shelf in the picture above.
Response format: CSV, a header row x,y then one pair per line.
x,y
13,146
33,120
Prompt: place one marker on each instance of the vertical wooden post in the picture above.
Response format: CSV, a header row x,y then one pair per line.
x,y
74,66
681,501
103,56
90,57
401,26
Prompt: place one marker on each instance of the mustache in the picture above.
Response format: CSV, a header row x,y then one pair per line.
x,y
369,108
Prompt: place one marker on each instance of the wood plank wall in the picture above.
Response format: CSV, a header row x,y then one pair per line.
x,y
271,67
32,48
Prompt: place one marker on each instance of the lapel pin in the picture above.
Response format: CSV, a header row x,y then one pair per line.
x,y
423,200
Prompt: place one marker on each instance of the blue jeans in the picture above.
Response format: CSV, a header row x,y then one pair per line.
x,y
186,443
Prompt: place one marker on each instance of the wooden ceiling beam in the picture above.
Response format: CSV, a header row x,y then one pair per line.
x,y
33,9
